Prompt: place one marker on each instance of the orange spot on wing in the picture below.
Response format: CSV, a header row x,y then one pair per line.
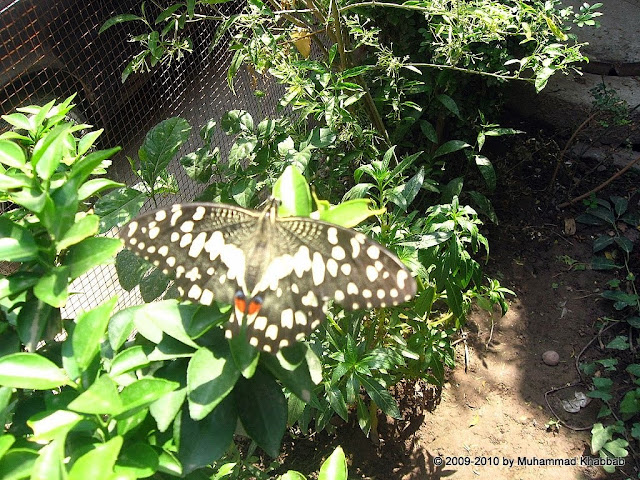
x,y
254,306
241,304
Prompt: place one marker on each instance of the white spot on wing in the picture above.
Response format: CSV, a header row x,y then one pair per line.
x,y
332,235
332,267
401,278
187,226
286,318
310,299
207,297
197,245
161,215
373,252
199,213
194,292
271,332
317,269
372,273
355,247
338,252
133,226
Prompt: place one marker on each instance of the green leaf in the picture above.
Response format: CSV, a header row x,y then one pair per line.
x,y
130,269
589,219
121,327
454,298
6,440
634,369
166,317
449,104
50,464
199,164
118,207
18,120
619,343
98,462
620,204
90,165
30,371
630,404
337,402
292,190
11,154
487,171
89,253
262,409
89,332
321,137
618,296
243,191
33,319
81,229
138,460
17,283
160,145
450,147
428,131
165,409
101,398
204,442
124,17
142,393
602,263
16,242
133,358
49,424
624,243
211,376
347,214
413,186
602,242
484,206
49,150
334,467
292,475
242,150
17,463
599,436
236,121
380,395
92,187
153,285
296,379
52,287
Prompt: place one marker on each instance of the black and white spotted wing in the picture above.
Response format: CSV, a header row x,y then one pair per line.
x,y
278,272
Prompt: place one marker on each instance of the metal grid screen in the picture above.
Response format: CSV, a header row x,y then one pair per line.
x,y
53,49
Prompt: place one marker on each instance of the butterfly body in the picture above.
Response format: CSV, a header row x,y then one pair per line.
x,y
277,272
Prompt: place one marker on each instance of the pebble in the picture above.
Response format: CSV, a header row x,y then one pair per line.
x,y
551,358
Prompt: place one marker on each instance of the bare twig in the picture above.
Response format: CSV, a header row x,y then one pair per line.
x,y
601,186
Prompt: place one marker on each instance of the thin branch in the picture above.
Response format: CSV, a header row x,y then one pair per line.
x,y
601,186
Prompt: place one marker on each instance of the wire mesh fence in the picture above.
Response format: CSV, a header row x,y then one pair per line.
x,y
53,49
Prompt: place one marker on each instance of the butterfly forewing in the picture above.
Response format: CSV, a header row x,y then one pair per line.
x,y
287,268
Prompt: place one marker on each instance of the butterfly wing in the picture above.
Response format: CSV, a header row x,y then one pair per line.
x,y
197,245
